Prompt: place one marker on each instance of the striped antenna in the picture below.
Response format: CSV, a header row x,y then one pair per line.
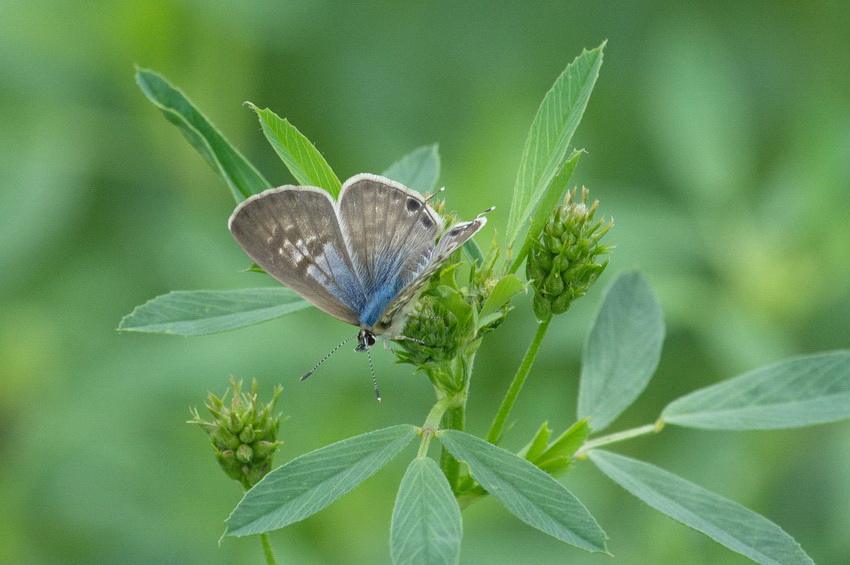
x,y
325,358
430,196
374,379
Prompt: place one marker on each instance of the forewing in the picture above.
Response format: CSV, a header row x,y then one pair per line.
x,y
390,230
293,233
451,241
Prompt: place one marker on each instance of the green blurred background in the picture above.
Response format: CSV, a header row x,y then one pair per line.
x,y
718,137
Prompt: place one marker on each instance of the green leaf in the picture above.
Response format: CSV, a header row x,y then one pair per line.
x,y
550,201
567,443
556,466
240,175
426,525
555,458
201,312
472,251
299,155
622,350
538,443
548,139
309,483
724,521
419,169
507,287
801,391
527,492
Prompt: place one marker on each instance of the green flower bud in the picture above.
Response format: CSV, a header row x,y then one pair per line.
x,y
247,434
561,303
264,448
244,453
235,424
554,284
225,439
563,263
541,307
243,434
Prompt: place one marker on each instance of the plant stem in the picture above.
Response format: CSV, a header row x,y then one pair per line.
x,y
455,416
495,433
523,252
454,419
620,436
267,550
432,423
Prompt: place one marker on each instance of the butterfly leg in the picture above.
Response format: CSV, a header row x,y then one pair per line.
x,y
424,317
403,338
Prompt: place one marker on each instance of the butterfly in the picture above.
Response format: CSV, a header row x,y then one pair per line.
x,y
363,259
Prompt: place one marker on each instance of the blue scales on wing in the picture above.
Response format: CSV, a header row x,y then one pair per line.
x,y
390,232
293,233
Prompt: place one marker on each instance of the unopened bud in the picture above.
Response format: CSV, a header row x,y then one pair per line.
x,y
243,435
563,263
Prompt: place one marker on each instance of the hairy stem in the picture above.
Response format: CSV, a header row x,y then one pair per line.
x,y
495,433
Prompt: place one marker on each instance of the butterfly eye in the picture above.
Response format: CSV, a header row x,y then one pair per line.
x,y
413,205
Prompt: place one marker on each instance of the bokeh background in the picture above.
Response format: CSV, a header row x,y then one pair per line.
x,y
718,138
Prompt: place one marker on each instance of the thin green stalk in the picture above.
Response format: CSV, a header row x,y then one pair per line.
x,y
620,436
432,423
523,253
267,545
495,433
267,550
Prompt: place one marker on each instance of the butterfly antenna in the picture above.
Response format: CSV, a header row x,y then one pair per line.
x,y
374,379
490,209
430,196
325,358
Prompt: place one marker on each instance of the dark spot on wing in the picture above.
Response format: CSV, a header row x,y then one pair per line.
x,y
413,205
427,222
456,230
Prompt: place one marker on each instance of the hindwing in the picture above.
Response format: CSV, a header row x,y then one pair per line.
x,y
392,319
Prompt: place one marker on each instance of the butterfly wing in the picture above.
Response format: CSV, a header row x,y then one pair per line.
x,y
455,237
392,319
293,233
390,232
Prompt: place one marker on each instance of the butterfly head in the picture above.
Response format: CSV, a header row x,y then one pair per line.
x,y
365,340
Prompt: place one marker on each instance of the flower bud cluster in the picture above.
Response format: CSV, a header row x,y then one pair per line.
x,y
243,434
434,334
563,262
